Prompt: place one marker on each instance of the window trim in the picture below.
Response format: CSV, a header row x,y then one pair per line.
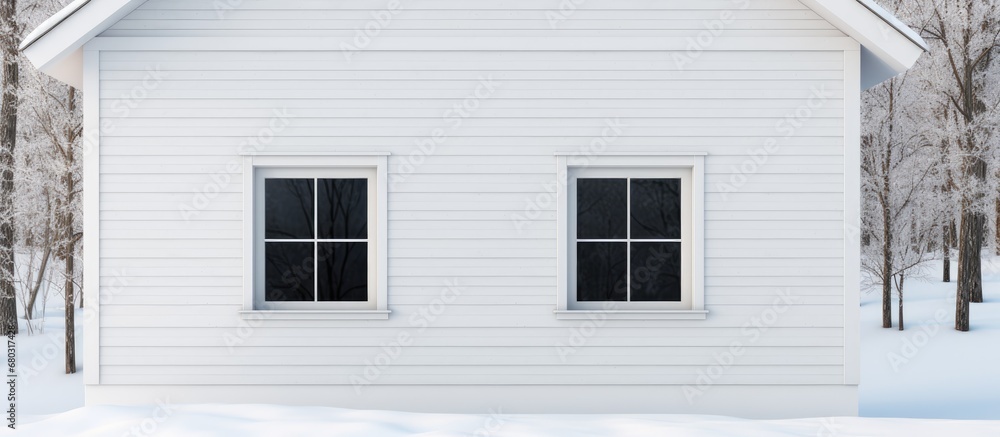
x,y
318,162
565,299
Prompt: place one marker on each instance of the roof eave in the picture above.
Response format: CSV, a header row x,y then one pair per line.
x,y
56,47
889,48
896,23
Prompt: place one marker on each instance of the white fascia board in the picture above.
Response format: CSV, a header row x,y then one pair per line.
x,y
892,48
896,23
55,47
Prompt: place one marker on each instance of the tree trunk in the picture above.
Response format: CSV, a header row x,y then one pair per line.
x,y
70,316
969,267
887,282
887,242
8,138
970,246
29,309
946,248
72,136
70,247
33,295
977,232
900,293
966,280
996,236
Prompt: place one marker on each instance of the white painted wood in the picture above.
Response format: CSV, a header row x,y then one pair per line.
x,y
682,166
171,18
894,48
56,46
852,220
890,47
452,215
92,291
256,165
476,43
474,252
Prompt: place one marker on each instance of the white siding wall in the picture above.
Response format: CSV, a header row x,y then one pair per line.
x,y
503,18
455,218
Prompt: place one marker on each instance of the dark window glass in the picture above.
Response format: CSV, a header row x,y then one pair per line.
x,y
600,271
656,209
343,209
288,272
656,272
288,209
343,272
601,208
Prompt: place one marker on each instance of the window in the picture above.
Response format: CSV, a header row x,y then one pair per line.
x,y
630,237
317,237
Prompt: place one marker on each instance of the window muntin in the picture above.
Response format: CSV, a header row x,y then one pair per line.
x,y
314,239
630,238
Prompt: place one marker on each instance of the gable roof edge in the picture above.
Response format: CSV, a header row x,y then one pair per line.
x,y
55,47
896,23
888,46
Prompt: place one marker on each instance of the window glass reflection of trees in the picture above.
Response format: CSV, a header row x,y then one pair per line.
x,y
316,240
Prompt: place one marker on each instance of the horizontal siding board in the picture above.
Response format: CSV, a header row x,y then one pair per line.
x,y
787,307
722,292
557,370
332,342
368,5
114,77
411,296
460,215
484,267
192,376
502,18
479,360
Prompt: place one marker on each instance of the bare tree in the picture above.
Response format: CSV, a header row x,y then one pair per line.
x,y
899,175
9,33
55,133
963,35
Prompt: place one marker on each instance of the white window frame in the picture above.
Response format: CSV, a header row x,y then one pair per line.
x,y
690,168
372,166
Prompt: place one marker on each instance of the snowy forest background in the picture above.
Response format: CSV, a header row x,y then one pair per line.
x,y
930,168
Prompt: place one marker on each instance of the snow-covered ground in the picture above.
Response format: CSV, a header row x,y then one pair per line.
x,y
270,421
929,371
44,386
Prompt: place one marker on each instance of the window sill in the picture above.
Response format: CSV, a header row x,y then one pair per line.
x,y
631,315
314,315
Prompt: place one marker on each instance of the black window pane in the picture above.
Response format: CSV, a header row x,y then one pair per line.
x,y
343,272
656,209
656,272
288,208
288,272
343,209
601,208
600,271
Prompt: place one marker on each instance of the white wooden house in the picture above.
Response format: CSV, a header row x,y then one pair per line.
x,y
640,206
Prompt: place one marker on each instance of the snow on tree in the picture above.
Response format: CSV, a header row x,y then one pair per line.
x,y
50,178
9,85
900,176
962,80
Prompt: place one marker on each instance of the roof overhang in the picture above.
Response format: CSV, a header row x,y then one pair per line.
x,y
56,46
889,47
